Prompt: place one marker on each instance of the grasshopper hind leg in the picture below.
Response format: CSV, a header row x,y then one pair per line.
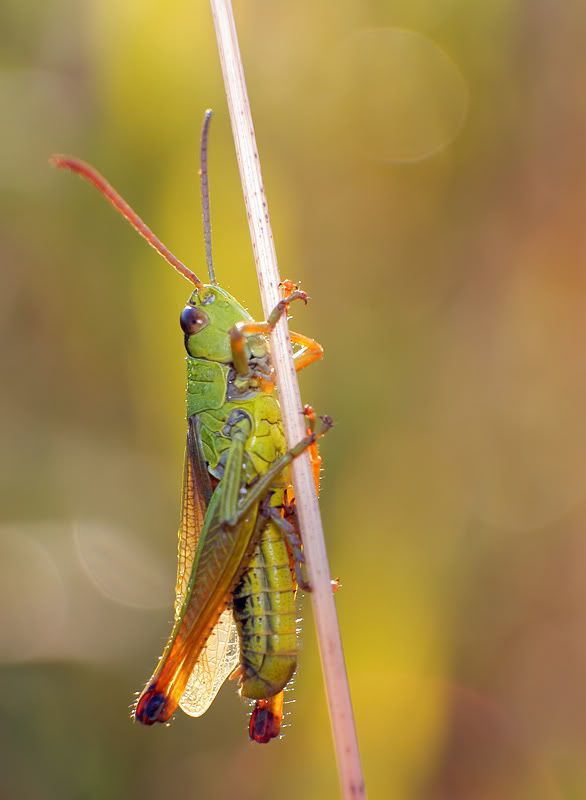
x,y
266,719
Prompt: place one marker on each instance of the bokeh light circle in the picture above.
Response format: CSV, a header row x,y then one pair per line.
x,y
120,567
401,96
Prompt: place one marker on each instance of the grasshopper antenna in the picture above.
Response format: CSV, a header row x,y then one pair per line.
x,y
93,176
205,193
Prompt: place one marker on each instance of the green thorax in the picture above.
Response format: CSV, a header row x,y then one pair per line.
x,y
264,445
214,391
207,384
207,388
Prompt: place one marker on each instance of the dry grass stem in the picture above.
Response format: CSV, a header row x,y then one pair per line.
x,y
330,645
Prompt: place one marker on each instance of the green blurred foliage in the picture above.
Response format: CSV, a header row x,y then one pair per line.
x,y
425,172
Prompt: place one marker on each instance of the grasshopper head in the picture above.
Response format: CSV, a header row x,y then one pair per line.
x,y
206,321
210,312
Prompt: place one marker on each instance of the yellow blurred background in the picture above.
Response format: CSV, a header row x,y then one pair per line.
x,y
425,170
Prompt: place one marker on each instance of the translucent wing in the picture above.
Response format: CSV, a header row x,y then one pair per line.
x,y
197,491
218,659
221,653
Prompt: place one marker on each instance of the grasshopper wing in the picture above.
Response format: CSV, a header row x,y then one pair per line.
x,y
221,653
218,659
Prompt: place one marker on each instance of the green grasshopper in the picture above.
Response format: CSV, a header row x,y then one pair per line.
x,y
240,554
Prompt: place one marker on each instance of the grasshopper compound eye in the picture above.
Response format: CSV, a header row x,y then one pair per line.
x,y
192,320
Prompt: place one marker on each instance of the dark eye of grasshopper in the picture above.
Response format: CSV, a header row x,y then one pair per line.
x,y
192,320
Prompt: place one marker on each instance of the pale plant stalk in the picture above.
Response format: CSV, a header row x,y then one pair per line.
x,y
328,631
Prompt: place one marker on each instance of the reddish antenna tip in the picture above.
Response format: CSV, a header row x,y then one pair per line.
x,y
57,160
93,176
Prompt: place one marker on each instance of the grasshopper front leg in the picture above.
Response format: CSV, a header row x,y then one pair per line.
x,y
310,352
310,349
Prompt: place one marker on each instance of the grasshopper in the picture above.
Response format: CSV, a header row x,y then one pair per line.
x,y
240,554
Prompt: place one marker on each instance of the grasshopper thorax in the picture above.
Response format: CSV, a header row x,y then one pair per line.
x,y
206,322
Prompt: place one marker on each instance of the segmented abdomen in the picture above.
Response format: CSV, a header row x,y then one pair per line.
x,y
264,610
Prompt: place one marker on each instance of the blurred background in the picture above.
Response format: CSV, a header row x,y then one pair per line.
x,y
425,170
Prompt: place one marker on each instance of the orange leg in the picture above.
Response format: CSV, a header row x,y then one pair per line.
x,y
311,350
241,330
238,336
266,718
314,456
288,286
